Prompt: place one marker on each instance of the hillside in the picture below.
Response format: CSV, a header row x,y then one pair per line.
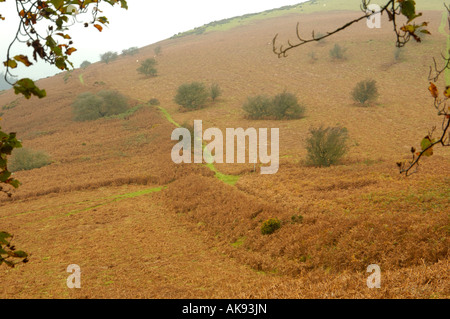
x,y
140,226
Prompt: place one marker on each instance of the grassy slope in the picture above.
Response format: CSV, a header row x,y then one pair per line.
x,y
301,8
99,207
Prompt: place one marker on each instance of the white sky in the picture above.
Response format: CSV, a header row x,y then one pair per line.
x,y
144,23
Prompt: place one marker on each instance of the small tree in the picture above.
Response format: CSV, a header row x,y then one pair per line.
x,y
25,159
130,51
108,57
85,64
88,106
326,146
285,106
365,92
258,107
147,67
215,91
192,96
337,52
157,50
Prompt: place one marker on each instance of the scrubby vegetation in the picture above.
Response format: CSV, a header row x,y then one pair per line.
x,y
147,67
153,101
88,106
365,92
25,159
270,226
338,52
282,106
216,91
326,146
85,64
130,51
157,50
192,96
108,57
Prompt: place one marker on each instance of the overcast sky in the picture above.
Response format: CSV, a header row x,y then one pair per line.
x,y
144,23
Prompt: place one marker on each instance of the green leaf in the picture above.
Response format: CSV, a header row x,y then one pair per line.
x,y
19,254
425,145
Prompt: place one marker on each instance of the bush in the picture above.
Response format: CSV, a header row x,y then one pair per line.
x,y
147,67
157,50
24,159
337,52
296,219
130,51
215,91
192,96
153,101
285,106
88,106
258,107
313,56
85,64
282,106
326,146
365,91
270,226
108,57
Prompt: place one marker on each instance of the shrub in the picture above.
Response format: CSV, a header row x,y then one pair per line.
x,y
258,107
153,101
365,92
24,159
337,52
215,91
270,226
88,106
108,57
313,56
326,146
296,219
147,67
85,64
282,106
130,51
192,96
285,106
157,50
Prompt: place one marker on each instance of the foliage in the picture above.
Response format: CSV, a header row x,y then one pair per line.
x,y
258,107
338,52
85,64
192,96
296,219
8,251
130,51
216,91
157,50
313,56
26,159
270,226
283,106
88,106
108,57
147,67
326,146
154,101
365,92
8,142
54,45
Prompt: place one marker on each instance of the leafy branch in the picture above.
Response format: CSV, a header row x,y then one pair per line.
x,y
8,252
